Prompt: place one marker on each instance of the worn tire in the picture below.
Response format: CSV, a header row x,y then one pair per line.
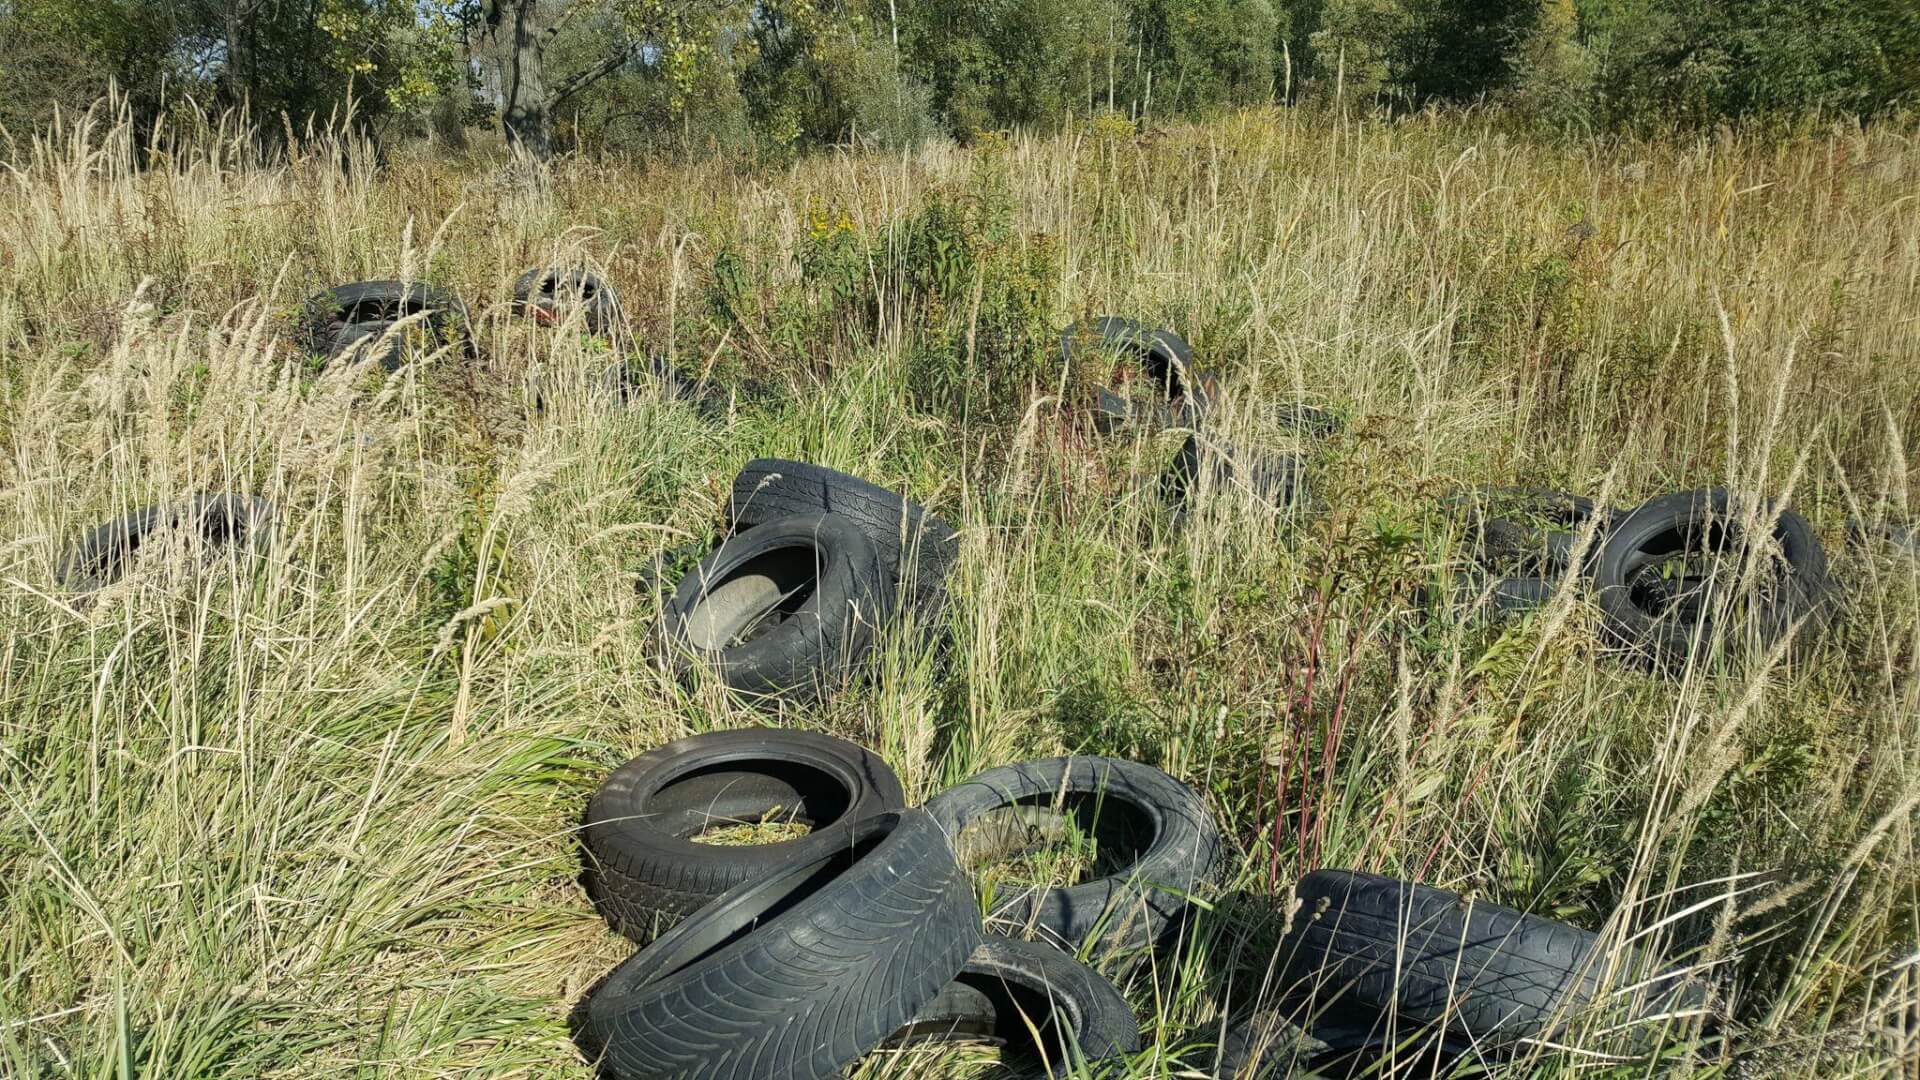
x,y
100,557
551,295
341,317
1174,847
1276,480
1531,531
645,869
1034,1001
917,548
1687,522
1187,393
798,974
806,591
1502,596
1364,948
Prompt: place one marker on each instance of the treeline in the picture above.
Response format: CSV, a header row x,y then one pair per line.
x,y
778,76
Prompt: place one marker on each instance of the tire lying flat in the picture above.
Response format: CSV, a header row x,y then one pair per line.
x,y
551,295
798,974
1037,1003
1186,393
784,611
646,870
917,548
240,523
1647,616
1171,845
1388,958
1273,479
343,317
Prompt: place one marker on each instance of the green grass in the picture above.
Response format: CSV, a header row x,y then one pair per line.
x,y
312,813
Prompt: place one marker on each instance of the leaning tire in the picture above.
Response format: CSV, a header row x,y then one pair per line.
x,y
917,548
1187,393
1647,615
1365,949
783,611
342,317
551,295
1276,480
237,522
798,974
1034,1001
647,872
1170,846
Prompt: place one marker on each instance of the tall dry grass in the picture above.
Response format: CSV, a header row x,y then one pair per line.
x,y
309,810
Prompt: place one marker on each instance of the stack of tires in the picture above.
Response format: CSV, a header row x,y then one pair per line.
x,y
1669,576
1184,396
788,608
796,958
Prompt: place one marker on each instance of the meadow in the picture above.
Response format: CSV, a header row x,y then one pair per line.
x,y
313,812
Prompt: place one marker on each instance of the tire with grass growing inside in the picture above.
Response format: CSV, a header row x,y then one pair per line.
x,y
655,828
1378,961
1683,569
785,611
1039,1005
799,973
1184,395
1154,846
365,314
916,547
552,295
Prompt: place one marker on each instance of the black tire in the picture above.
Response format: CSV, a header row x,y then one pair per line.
x,y
1277,480
551,295
645,869
1531,531
1171,847
917,548
1502,596
236,522
344,316
800,973
1364,949
1187,394
1035,1002
783,611
1649,616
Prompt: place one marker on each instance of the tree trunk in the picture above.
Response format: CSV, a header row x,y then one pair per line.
x,y
512,41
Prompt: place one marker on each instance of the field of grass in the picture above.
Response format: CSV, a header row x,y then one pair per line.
x,y
313,813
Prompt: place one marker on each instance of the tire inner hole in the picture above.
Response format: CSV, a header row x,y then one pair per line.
x,y
374,310
749,602
1683,573
741,803
1050,842
989,1009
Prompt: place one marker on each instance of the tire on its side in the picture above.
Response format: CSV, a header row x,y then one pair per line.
x,y
1273,479
1187,394
917,548
645,869
799,973
1707,523
785,611
551,294
1168,843
342,317
1387,960
240,523
1532,531
1034,1001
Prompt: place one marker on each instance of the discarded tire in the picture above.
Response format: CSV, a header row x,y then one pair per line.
x,y
1532,531
1158,846
783,611
1184,394
234,522
1672,573
1035,1002
1277,480
1376,955
917,548
1502,596
365,314
800,973
648,871
551,295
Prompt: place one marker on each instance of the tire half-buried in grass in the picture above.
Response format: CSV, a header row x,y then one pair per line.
x,y
1155,847
797,974
366,315
552,295
647,867
785,611
1183,395
238,523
